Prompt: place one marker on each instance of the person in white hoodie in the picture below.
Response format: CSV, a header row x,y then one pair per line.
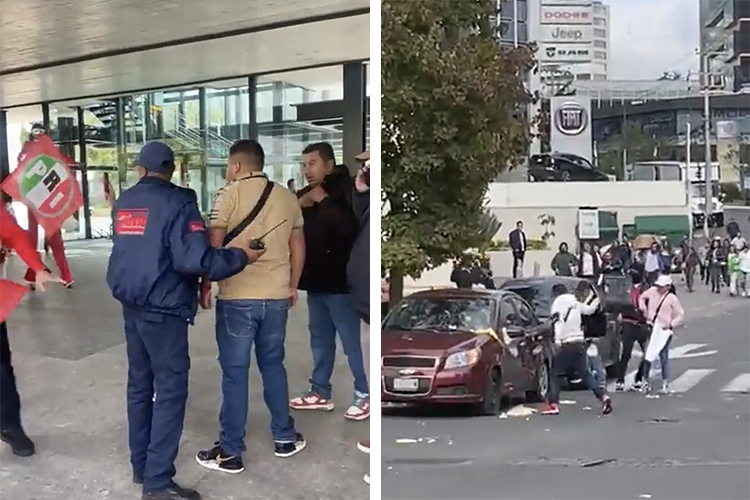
x,y
743,280
566,313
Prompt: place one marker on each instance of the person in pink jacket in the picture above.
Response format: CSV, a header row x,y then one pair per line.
x,y
662,308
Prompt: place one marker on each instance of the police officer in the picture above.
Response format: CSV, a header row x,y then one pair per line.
x,y
160,251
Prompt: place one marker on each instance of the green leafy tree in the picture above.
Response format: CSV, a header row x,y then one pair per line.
x,y
639,146
454,118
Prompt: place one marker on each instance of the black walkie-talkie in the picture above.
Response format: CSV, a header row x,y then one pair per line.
x,y
257,243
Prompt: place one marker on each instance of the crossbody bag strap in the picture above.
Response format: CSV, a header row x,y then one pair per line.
x,y
252,215
658,309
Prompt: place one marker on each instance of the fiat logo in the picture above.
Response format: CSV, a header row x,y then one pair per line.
x,y
571,118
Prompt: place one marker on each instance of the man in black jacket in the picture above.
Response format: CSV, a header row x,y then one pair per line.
x,y
330,230
517,244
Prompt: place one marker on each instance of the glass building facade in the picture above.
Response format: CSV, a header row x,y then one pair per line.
x,y
284,112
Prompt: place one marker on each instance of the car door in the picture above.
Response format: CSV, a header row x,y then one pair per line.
x,y
531,348
513,336
595,325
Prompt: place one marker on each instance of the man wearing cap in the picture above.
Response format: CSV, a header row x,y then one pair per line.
x,y
160,250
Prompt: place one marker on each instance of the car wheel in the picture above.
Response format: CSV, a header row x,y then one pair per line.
x,y
541,385
493,397
565,176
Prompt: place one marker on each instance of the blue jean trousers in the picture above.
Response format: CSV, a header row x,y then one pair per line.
x,y
239,325
328,314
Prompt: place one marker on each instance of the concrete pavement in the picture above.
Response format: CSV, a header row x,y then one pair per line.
x,y
693,444
69,355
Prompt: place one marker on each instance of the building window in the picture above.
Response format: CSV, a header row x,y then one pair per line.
x,y
600,55
600,33
507,31
600,44
583,76
506,10
600,21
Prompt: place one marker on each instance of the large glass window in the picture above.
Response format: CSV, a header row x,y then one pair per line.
x,y
296,109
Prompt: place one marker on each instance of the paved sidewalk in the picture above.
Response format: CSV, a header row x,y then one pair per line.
x,y
69,355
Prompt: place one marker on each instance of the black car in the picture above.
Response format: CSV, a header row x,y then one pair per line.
x,y
602,326
562,167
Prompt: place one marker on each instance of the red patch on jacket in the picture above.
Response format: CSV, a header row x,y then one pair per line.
x,y
131,222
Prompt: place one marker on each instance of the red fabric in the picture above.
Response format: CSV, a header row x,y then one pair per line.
x,y
13,236
55,242
12,294
45,183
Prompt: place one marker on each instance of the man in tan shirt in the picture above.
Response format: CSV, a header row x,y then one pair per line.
x,y
253,306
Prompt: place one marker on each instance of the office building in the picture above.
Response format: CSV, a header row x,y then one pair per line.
x,y
106,77
725,40
574,38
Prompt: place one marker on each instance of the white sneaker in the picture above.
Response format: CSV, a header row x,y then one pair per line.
x,y
664,387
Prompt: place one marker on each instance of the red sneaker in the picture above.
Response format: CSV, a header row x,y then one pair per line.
x,y
551,409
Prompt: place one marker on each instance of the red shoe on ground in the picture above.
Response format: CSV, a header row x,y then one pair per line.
x,y
551,409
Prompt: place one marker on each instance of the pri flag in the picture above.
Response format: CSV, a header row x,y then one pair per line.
x,y
45,184
12,294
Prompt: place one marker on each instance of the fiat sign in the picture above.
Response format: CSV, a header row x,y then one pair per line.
x,y
571,118
559,14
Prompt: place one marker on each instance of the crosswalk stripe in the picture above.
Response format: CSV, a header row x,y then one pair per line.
x,y
740,383
689,379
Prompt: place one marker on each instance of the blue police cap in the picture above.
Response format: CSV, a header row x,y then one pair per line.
x,y
156,156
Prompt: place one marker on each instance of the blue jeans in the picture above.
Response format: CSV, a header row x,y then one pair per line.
x,y
239,324
329,313
663,362
158,361
572,358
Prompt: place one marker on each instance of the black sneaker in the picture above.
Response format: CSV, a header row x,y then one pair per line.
x,y
19,442
286,450
606,405
217,459
174,492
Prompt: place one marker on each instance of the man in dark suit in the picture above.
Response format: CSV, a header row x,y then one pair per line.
x,y
517,244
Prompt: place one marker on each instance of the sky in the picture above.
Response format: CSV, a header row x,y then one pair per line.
x,y
649,37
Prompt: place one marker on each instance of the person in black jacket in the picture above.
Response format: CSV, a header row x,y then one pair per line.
x,y
517,244
330,230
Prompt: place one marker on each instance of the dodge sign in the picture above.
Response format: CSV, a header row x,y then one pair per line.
x,y
566,14
571,118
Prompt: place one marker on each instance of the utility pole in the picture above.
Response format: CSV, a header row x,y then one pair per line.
x,y
708,171
688,161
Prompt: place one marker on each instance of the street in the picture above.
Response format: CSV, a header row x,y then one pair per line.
x,y
692,444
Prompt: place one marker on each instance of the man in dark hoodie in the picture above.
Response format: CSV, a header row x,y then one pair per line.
x,y
330,228
358,269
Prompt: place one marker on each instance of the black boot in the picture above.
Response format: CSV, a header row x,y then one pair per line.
x,y
174,492
19,442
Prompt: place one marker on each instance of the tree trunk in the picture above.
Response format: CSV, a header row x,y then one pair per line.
x,y
396,283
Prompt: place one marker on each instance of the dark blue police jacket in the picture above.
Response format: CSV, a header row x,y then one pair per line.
x,y
161,249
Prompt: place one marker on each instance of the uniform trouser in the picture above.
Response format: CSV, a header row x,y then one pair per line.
x,y
632,333
689,277
10,401
572,357
715,274
57,246
158,363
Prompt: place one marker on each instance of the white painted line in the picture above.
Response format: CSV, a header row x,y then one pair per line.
x,y
739,384
689,379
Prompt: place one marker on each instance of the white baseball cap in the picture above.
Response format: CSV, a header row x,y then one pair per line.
x,y
663,281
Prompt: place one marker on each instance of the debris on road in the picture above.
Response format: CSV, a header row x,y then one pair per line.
x,y
645,495
567,402
520,411
601,461
406,441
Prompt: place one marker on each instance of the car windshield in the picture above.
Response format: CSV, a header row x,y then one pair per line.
x,y
441,314
538,298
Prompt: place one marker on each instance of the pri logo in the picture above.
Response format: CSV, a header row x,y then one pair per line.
x,y
571,118
44,185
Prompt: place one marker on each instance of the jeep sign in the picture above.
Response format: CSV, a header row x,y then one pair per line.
x,y
571,118
566,34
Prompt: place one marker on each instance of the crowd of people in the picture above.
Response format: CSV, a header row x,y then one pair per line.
x,y
262,243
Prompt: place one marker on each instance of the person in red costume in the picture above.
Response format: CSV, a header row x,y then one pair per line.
x,y
12,236
53,241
